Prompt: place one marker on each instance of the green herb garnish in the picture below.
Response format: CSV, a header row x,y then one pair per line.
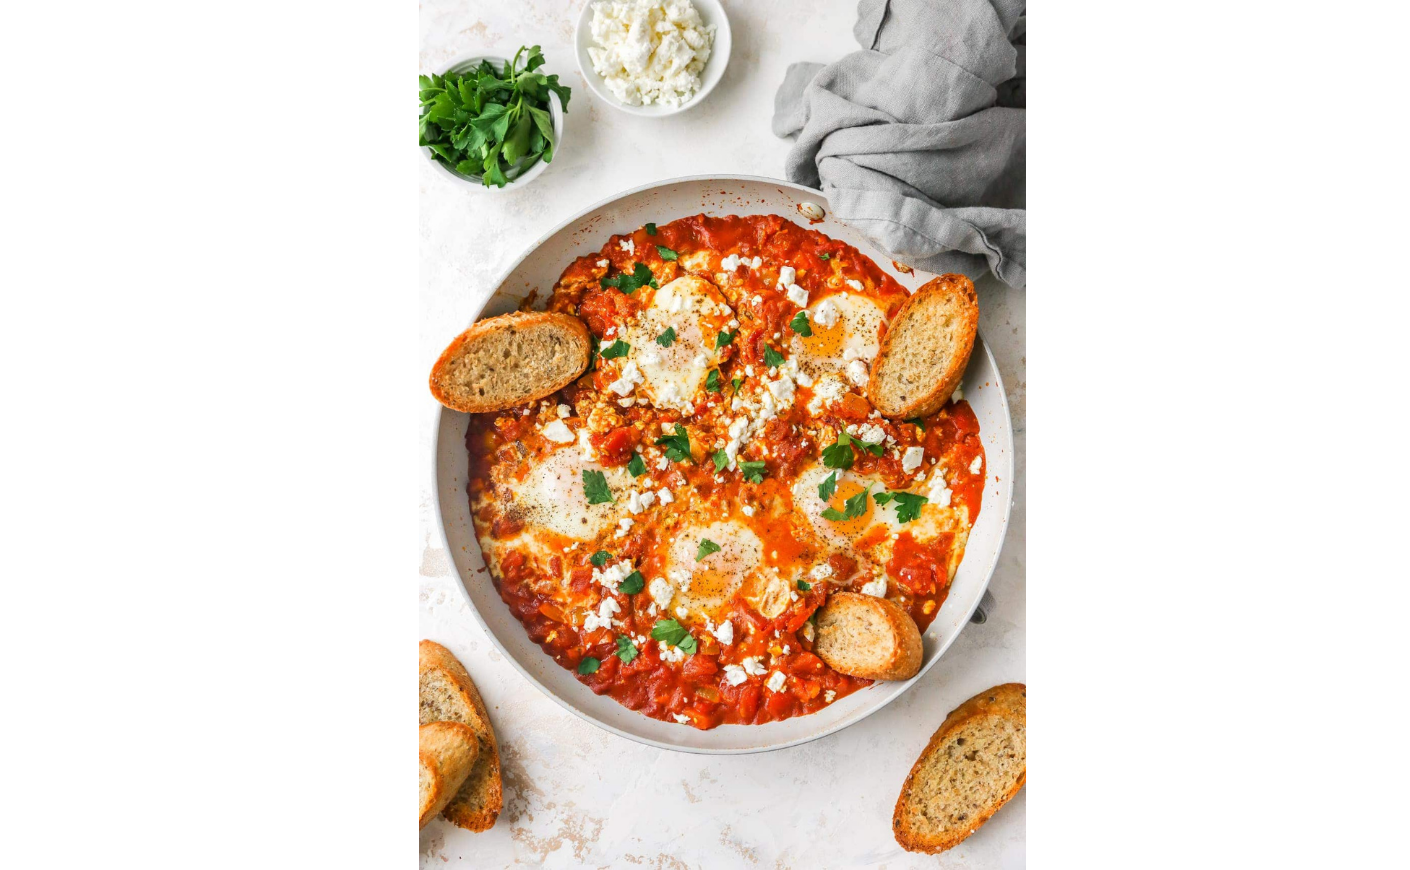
x,y
721,460
917,421
626,650
666,253
874,449
651,229
600,558
839,455
665,338
907,503
707,547
853,507
588,665
614,350
595,486
800,325
738,382
629,283
828,487
632,584
672,633
725,338
823,256
804,586
772,358
712,381
753,471
637,466
677,445
491,124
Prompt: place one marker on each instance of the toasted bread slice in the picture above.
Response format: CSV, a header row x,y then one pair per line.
x,y
926,348
868,637
449,695
448,753
509,360
973,765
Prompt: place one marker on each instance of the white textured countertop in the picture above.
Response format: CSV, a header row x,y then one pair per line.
x,y
576,796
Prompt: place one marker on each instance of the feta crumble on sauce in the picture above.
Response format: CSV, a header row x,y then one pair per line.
x,y
680,540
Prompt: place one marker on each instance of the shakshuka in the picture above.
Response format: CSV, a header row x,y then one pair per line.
x,y
669,524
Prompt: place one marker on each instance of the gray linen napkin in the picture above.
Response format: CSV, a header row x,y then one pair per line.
x,y
918,139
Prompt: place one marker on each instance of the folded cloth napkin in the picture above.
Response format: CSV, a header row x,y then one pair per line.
x,y
918,139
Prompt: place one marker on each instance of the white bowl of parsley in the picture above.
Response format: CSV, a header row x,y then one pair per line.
x,y
491,122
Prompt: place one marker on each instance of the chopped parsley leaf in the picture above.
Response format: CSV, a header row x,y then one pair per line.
x,y
600,558
626,650
853,507
677,445
637,466
712,381
588,665
738,382
707,547
666,253
595,486
615,349
907,504
628,284
828,487
672,633
721,460
800,325
839,455
632,584
665,338
651,229
772,358
918,422
724,338
753,471
823,256
804,586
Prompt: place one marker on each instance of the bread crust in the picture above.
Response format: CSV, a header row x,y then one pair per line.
x,y
1007,701
907,652
957,291
448,751
434,657
444,388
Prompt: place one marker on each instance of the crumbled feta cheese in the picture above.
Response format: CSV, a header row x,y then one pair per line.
x,y
669,653
753,665
603,618
939,493
797,295
756,262
735,676
558,432
875,586
650,51
864,352
821,572
977,464
854,284
624,525
664,496
640,501
871,434
747,509
724,632
682,612
912,459
631,376
630,247
662,464
661,591
858,372
829,695
585,445
603,264
826,314
564,411
827,389
776,681
786,275
730,263
611,575
681,718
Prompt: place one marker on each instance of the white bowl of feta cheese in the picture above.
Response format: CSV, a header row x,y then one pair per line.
x,y
653,57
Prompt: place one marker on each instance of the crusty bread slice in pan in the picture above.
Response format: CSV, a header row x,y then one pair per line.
x,y
868,637
972,766
448,753
925,349
449,695
509,360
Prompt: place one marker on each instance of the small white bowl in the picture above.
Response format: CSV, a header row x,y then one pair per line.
x,y
555,112
711,12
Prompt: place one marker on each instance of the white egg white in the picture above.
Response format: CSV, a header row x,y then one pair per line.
x,y
673,374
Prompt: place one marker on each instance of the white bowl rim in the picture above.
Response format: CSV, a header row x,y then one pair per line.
x,y
555,110
637,738
655,110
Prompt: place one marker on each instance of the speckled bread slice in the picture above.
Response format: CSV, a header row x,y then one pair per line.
x,y
868,637
448,753
449,695
509,360
973,765
926,348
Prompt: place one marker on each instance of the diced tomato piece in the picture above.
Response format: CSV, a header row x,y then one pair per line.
x,y
749,702
614,447
698,667
605,308
806,663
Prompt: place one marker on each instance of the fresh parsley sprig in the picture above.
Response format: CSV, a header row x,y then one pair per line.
x,y
672,633
852,507
677,445
907,504
491,124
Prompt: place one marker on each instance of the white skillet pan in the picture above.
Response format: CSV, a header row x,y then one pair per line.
x,y
537,270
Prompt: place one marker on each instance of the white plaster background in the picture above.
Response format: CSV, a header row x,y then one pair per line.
x,y
576,796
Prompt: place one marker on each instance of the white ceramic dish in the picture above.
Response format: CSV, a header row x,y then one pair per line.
x,y
555,111
711,12
537,270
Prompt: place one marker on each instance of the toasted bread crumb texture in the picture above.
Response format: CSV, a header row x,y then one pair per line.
x,y
973,765
926,349
868,637
508,360
449,695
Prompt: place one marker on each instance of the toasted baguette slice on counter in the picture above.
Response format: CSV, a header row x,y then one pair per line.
x,y
511,359
449,695
925,350
973,765
448,753
869,637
